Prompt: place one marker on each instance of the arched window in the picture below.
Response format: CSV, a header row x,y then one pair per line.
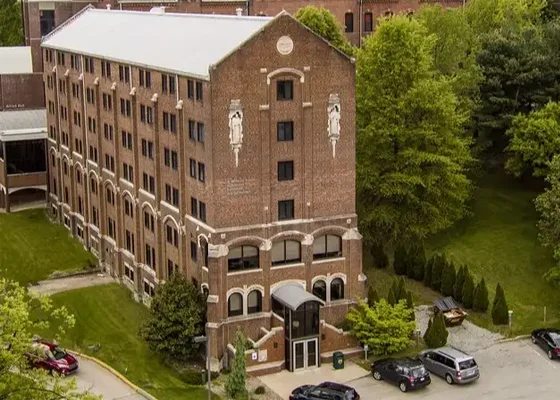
x,y
242,258
205,291
327,246
337,289
254,302
65,167
235,305
320,289
286,252
78,176
349,22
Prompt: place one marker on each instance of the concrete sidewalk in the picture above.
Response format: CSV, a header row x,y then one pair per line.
x,y
53,286
284,382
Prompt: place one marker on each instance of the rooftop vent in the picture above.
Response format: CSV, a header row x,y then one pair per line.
x,y
157,10
108,6
239,11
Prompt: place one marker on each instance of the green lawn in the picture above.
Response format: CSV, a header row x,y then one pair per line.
x,y
499,242
32,248
107,315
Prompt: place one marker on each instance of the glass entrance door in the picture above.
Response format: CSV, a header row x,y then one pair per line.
x,y
305,354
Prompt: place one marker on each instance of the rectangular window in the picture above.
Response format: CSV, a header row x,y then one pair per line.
x,y
192,168
124,73
285,210
199,91
173,123
108,132
95,217
285,170
200,131
175,197
107,101
148,149
129,272
150,256
190,89
110,163
201,172
126,140
149,115
202,209
284,90
165,121
128,208
129,241
89,65
148,183
111,228
145,78
148,221
194,207
349,22
128,172
192,132
368,22
167,157
174,160
125,108
106,69
285,131
193,250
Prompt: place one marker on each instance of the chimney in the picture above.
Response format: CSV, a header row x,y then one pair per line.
x,y
108,6
239,11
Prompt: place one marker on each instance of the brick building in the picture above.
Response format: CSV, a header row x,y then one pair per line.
x,y
23,130
358,17
223,147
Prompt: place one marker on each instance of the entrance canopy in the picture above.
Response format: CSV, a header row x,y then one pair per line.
x,y
293,295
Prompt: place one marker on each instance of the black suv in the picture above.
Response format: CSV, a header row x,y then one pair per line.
x,y
407,373
325,391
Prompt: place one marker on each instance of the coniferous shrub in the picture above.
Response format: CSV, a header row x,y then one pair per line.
x,y
500,308
426,337
373,297
480,297
380,259
419,262
468,291
410,305
428,272
437,272
448,279
399,263
459,281
401,291
438,334
409,262
391,297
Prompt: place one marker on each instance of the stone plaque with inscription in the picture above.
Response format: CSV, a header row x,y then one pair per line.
x,y
239,187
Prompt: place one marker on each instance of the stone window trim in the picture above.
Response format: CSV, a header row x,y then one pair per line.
x,y
244,292
328,279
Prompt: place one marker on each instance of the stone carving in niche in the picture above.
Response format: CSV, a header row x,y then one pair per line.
x,y
333,112
235,128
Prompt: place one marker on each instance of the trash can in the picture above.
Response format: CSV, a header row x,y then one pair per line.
x,y
338,360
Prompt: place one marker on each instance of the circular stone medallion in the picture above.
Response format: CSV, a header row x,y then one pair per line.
x,y
285,45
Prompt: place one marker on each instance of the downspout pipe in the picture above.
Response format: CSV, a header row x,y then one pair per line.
x,y
361,21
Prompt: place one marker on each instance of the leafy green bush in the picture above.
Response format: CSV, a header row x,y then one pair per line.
x,y
448,279
499,307
480,300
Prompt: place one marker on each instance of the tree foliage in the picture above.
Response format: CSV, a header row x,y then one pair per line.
x,y
500,309
235,383
459,281
436,334
480,297
384,328
18,381
448,279
380,259
11,29
437,271
468,290
177,315
547,206
391,298
400,260
428,272
373,297
411,154
324,23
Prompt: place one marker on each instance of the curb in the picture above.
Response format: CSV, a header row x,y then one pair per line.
x,y
76,274
116,373
520,337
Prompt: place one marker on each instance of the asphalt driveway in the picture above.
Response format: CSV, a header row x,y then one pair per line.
x,y
512,370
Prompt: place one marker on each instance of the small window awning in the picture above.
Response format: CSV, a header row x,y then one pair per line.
x,y
293,296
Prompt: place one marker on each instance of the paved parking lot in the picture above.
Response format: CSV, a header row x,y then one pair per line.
x,y
512,370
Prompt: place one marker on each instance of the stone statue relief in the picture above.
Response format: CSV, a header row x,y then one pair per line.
x,y
235,128
333,112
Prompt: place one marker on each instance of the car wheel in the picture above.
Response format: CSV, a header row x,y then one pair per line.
x,y
550,355
403,387
448,379
534,340
377,376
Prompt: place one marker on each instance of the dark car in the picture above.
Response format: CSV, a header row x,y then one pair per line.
x,y
50,356
549,340
325,391
406,373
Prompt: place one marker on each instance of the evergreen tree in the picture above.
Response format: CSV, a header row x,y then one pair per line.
x,y
438,334
459,281
235,383
480,300
373,297
391,298
499,307
401,294
399,262
448,279
380,259
468,291
437,272
427,335
410,262
410,305
419,262
428,272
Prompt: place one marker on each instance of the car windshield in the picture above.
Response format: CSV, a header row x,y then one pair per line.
x,y
555,338
58,353
467,364
418,372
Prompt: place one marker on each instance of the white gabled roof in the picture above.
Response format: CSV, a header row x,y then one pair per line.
x,y
180,43
15,60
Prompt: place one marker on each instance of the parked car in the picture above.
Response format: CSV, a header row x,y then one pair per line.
x,y
549,340
326,391
452,364
50,356
406,373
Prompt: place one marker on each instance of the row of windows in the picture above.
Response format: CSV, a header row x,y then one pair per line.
x,y
201,170
284,252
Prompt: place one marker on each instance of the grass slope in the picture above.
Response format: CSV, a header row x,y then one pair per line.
x,y
107,315
32,248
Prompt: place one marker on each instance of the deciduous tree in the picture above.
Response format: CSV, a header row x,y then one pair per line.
x,y
18,381
11,29
384,328
412,157
177,315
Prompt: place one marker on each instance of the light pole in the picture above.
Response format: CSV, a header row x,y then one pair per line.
x,y
205,339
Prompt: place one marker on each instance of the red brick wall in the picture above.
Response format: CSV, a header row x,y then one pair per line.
x,y
19,91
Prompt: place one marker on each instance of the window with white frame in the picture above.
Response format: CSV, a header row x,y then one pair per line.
x,y
327,246
67,221
235,305
149,288
129,272
286,252
254,302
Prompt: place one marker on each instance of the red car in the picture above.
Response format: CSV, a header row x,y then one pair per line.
x,y
49,356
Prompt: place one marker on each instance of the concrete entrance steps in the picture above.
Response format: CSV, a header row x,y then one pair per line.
x,y
266,368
